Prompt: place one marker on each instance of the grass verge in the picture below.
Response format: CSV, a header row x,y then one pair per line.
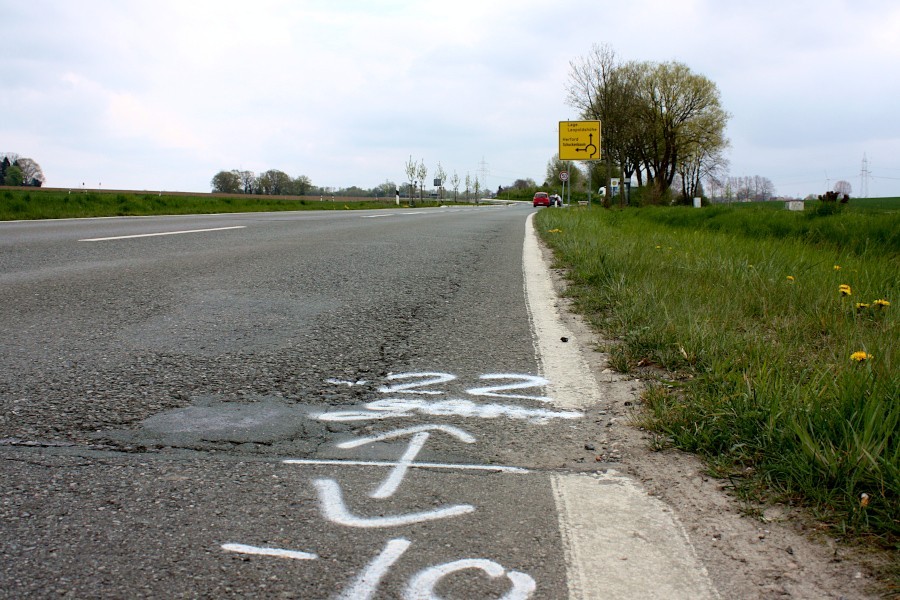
x,y
19,204
778,347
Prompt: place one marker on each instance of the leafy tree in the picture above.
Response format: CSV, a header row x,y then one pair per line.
x,y
226,182
556,166
13,176
248,181
353,192
4,165
388,188
524,184
300,186
683,114
273,183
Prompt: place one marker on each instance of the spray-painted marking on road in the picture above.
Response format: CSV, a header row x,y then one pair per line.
x,y
337,462
433,386
393,408
331,501
420,436
428,384
279,552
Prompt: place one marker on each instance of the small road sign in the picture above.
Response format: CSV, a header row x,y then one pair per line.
x,y
579,140
563,175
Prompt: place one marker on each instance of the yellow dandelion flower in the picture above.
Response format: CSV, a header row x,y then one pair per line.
x,y
845,290
790,278
881,303
861,306
837,267
860,356
555,231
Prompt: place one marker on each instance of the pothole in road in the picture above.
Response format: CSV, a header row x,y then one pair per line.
x,y
211,423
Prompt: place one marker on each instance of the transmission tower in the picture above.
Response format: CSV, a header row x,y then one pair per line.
x,y
864,177
483,171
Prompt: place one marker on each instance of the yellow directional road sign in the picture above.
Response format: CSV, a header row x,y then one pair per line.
x,y
579,140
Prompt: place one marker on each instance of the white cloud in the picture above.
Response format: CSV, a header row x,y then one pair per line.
x,y
166,93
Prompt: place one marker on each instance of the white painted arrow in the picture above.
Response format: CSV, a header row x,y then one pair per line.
x,y
420,436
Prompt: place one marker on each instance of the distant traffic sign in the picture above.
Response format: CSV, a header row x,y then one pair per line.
x,y
563,175
579,140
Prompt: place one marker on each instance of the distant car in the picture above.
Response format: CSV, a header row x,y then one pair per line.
x,y
541,199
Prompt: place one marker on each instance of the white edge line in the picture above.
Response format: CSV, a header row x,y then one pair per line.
x,y
143,235
376,463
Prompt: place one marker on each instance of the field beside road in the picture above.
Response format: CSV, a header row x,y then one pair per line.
x,y
40,203
771,338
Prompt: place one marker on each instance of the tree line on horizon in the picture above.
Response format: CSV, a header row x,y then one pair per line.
x,y
278,183
270,183
17,170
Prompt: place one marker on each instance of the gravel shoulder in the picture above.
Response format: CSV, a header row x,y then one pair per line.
x,y
770,552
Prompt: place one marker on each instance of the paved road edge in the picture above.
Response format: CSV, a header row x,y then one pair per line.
x,y
619,542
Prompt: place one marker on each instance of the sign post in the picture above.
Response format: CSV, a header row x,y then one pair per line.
x,y
564,177
579,140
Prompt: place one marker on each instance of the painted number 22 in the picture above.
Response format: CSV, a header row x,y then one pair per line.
x,y
423,383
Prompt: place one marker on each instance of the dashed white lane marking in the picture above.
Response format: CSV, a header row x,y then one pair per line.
x,y
618,541
143,235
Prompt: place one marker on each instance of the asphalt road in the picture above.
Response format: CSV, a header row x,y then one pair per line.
x,y
288,405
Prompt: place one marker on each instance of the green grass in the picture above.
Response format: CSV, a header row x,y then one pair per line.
x,y
757,370
18,204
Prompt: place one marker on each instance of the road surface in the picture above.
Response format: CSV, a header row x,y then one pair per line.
x,y
359,404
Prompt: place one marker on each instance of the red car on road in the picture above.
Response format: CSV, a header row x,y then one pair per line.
x,y
541,199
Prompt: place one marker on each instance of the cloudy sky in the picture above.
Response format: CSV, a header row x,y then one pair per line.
x,y
162,94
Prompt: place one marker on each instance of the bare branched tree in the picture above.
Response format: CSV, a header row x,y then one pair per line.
x,y
843,188
454,183
410,167
442,176
421,174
